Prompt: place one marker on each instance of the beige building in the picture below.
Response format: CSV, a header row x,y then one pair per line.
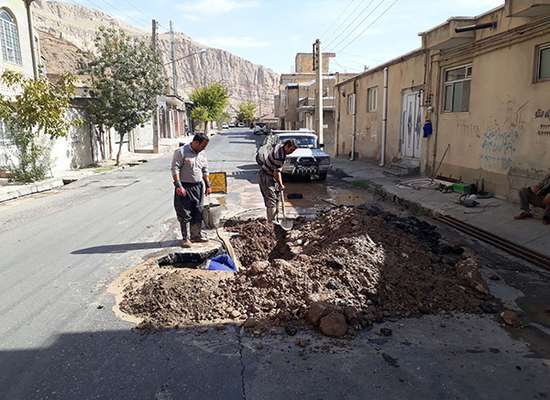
x,y
484,85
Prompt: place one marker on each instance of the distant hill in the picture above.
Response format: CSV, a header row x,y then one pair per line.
x,y
66,28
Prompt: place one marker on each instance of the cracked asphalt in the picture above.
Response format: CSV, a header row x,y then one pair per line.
x,y
60,250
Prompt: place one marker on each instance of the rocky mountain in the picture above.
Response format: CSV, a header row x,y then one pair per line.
x,y
65,28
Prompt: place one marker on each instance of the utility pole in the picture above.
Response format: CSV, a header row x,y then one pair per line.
x,y
173,59
154,46
318,67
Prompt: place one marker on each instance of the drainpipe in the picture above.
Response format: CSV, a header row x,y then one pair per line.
x,y
384,119
436,111
31,37
354,121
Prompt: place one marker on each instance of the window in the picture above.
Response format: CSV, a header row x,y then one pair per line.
x,y
5,137
351,103
543,63
457,89
372,99
10,38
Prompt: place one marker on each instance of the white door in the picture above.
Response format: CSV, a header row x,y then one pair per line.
x,y
411,125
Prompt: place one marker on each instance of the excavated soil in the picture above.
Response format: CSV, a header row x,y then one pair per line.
x,y
360,265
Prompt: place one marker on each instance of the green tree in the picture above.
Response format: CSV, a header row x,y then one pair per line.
x,y
247,112
126,78
213,99
200,113
36,111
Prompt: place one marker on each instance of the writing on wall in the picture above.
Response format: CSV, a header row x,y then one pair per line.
x,y
544,126
498,149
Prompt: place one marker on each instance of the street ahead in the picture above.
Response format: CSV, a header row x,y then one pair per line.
x,y
60,339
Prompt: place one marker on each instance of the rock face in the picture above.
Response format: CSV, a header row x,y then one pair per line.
x,y
63,26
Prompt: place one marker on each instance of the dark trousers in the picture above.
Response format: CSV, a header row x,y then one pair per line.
x,y
529,198
268,189
189,207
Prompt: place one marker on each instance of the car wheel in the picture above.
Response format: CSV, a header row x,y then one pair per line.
x,y
322,176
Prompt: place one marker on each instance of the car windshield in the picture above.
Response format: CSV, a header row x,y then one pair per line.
x,y
304,142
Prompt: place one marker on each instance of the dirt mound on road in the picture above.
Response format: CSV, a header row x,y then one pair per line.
x,y
342,271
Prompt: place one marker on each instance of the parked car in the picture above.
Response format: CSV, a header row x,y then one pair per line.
x,y
225,126
240,124
261,129
308,159
231,124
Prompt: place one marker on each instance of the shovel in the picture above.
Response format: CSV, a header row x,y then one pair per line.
x,y
285,223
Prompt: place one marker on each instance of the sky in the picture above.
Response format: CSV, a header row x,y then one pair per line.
x,y
269,32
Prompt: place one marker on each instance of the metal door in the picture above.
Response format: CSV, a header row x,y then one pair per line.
x,y
411,125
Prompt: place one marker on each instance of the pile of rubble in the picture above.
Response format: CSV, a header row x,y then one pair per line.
x,y
340,272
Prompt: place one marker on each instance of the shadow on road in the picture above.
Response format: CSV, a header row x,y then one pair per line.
x,y
125,247
126,364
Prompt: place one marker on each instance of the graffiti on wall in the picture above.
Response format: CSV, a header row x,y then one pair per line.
x,y
499,142
498,149
544,126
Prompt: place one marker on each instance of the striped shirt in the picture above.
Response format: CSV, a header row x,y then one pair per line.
x,y
274,160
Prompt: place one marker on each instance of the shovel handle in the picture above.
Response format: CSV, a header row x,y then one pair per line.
x,y
283,203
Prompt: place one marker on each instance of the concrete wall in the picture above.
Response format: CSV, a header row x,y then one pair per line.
x,y
403,75
502,139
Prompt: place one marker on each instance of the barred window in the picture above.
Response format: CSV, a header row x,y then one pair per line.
x,y
5,138
11,50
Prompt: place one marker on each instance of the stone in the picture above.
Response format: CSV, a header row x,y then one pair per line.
x,y
468,270
251,323
316,311
291,330
510,318
333,324
258,267
386,332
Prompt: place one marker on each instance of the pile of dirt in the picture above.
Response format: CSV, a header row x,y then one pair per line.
x,y
341,272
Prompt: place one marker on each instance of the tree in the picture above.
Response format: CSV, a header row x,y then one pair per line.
x,y
200,113
247,112
211,100
37,110
127,78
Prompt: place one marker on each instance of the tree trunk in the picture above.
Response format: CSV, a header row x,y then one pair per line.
x,y
119,149
99,136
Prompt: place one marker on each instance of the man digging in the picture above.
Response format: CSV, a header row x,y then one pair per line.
x,y
271,183
190,175
537,196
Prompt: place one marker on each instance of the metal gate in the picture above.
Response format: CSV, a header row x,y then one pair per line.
x,y
411,124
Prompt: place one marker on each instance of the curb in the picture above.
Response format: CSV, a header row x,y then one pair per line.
x,y
380,190
25,190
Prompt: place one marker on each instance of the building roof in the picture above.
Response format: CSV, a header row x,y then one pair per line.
x,y
397,60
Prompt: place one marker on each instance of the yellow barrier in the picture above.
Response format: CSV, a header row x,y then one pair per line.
x,y
218,182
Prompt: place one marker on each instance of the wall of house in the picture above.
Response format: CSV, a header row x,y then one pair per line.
x,y
18,10
502,139
403,75
291,114
75,150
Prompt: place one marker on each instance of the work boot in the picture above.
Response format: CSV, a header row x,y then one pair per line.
x,y
271,214
196,235
186,243
523,215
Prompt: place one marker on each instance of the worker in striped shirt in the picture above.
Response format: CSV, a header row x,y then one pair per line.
x,y
271,183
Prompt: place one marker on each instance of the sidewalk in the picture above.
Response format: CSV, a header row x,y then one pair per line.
x,y
492,215
10,191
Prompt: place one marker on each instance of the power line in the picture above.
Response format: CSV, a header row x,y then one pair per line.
x,y
370,25
354,29
109,8
359,15
330,27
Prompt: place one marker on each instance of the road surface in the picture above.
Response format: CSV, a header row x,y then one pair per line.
x,y
60,250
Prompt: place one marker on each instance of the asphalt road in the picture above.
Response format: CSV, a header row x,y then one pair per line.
x,y
59,252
